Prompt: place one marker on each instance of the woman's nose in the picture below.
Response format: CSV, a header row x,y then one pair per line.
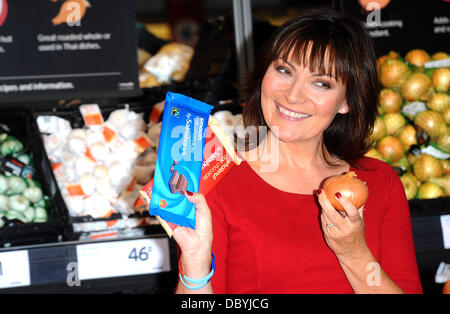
x,y
295,92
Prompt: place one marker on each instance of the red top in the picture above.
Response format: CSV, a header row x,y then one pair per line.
x,y
270,241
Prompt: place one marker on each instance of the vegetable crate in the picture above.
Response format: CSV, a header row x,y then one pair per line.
x,y
30,205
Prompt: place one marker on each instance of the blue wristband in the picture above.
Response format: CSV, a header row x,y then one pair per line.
x,y
202,281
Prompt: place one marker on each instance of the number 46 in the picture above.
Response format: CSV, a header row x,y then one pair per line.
x,y
142,255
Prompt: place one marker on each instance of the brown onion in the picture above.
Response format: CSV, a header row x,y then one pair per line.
x,y
394,123
417,57
429,190
431,121
446,115
445,165
416,86
426,166
390,101
394,73
349,186
410,184
407,136
441,79
373,153
440,56
443,182
439,102
390,148
443,142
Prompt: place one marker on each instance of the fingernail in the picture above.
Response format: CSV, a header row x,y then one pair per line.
x,y
189,193
338,195
319,191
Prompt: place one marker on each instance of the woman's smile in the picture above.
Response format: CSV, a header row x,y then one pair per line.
x,y
289,114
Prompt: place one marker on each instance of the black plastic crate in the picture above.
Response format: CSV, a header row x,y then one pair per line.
x,y
19,121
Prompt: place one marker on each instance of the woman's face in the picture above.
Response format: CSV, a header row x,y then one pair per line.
x,y
300,103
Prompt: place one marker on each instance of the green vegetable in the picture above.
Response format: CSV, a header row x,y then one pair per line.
x,y
40,215
42,203
16,185
29,214
33,194
25,158
3,184
12,214
18,203
11,145
4,202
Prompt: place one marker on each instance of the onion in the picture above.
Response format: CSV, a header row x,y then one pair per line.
x,y
429,190
417,57
440,56
349,186
431,121
390,148
410,184
382,59
426,166
394,73
394,123
439,102
443,142
441,79
446,116
407,137
416,86
390,101
379,130
443,182
445,165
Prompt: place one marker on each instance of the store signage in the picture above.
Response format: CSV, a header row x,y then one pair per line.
x,y
14,269
445,227
403,25
123,258
65,49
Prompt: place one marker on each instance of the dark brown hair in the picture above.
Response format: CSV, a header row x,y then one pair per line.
x,y
317,38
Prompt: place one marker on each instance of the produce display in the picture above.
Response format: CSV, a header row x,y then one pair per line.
x,y
98,168
21,197
412,132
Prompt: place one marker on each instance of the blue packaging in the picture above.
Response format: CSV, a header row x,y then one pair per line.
x,y
179,159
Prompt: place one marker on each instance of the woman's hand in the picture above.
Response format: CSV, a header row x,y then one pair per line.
x,y
195,244
344,234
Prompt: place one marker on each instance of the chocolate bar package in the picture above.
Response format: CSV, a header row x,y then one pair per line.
x,y
179,159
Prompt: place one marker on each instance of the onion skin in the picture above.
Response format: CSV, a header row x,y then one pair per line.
x,y
428,190
426,167
417,57
394,73
379,130
410,184
390,148
439,102
440,56
431,121
446,116
416,86
390,101
394,123
349,186
407,137
441,79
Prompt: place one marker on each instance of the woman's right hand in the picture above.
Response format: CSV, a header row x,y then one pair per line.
x,y
196,244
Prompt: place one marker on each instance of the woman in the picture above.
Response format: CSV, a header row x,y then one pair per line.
x,y
273,230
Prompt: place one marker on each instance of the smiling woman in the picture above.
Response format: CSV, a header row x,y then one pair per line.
x,y
313,96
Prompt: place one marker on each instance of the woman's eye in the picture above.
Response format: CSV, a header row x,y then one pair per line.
x,y
323,84
282,69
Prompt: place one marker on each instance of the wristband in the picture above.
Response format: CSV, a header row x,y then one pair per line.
x,y
202,281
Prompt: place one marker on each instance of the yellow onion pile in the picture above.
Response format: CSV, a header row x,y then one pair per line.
x,y
412,132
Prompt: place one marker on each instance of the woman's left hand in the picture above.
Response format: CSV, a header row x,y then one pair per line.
x,y
344,234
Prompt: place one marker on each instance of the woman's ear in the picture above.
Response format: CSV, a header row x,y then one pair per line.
x,y
344,108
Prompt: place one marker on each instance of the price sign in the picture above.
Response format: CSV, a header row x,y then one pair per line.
x,y
123,258
14,269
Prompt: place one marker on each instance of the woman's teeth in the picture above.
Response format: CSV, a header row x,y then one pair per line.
x,y
291,113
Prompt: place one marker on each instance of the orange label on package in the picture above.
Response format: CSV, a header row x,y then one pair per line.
x,y
108,134
75,189
92,115
142,143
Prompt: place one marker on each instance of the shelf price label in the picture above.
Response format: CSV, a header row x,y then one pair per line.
x,y
123,258
14,269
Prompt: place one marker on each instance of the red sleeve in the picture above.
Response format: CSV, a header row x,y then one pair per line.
x,y
220,243
398,257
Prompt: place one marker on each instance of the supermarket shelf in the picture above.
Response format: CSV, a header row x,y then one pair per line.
x,y
143,264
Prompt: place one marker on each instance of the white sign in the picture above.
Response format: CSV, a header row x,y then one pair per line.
x,y
14,269
445,226
123,258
